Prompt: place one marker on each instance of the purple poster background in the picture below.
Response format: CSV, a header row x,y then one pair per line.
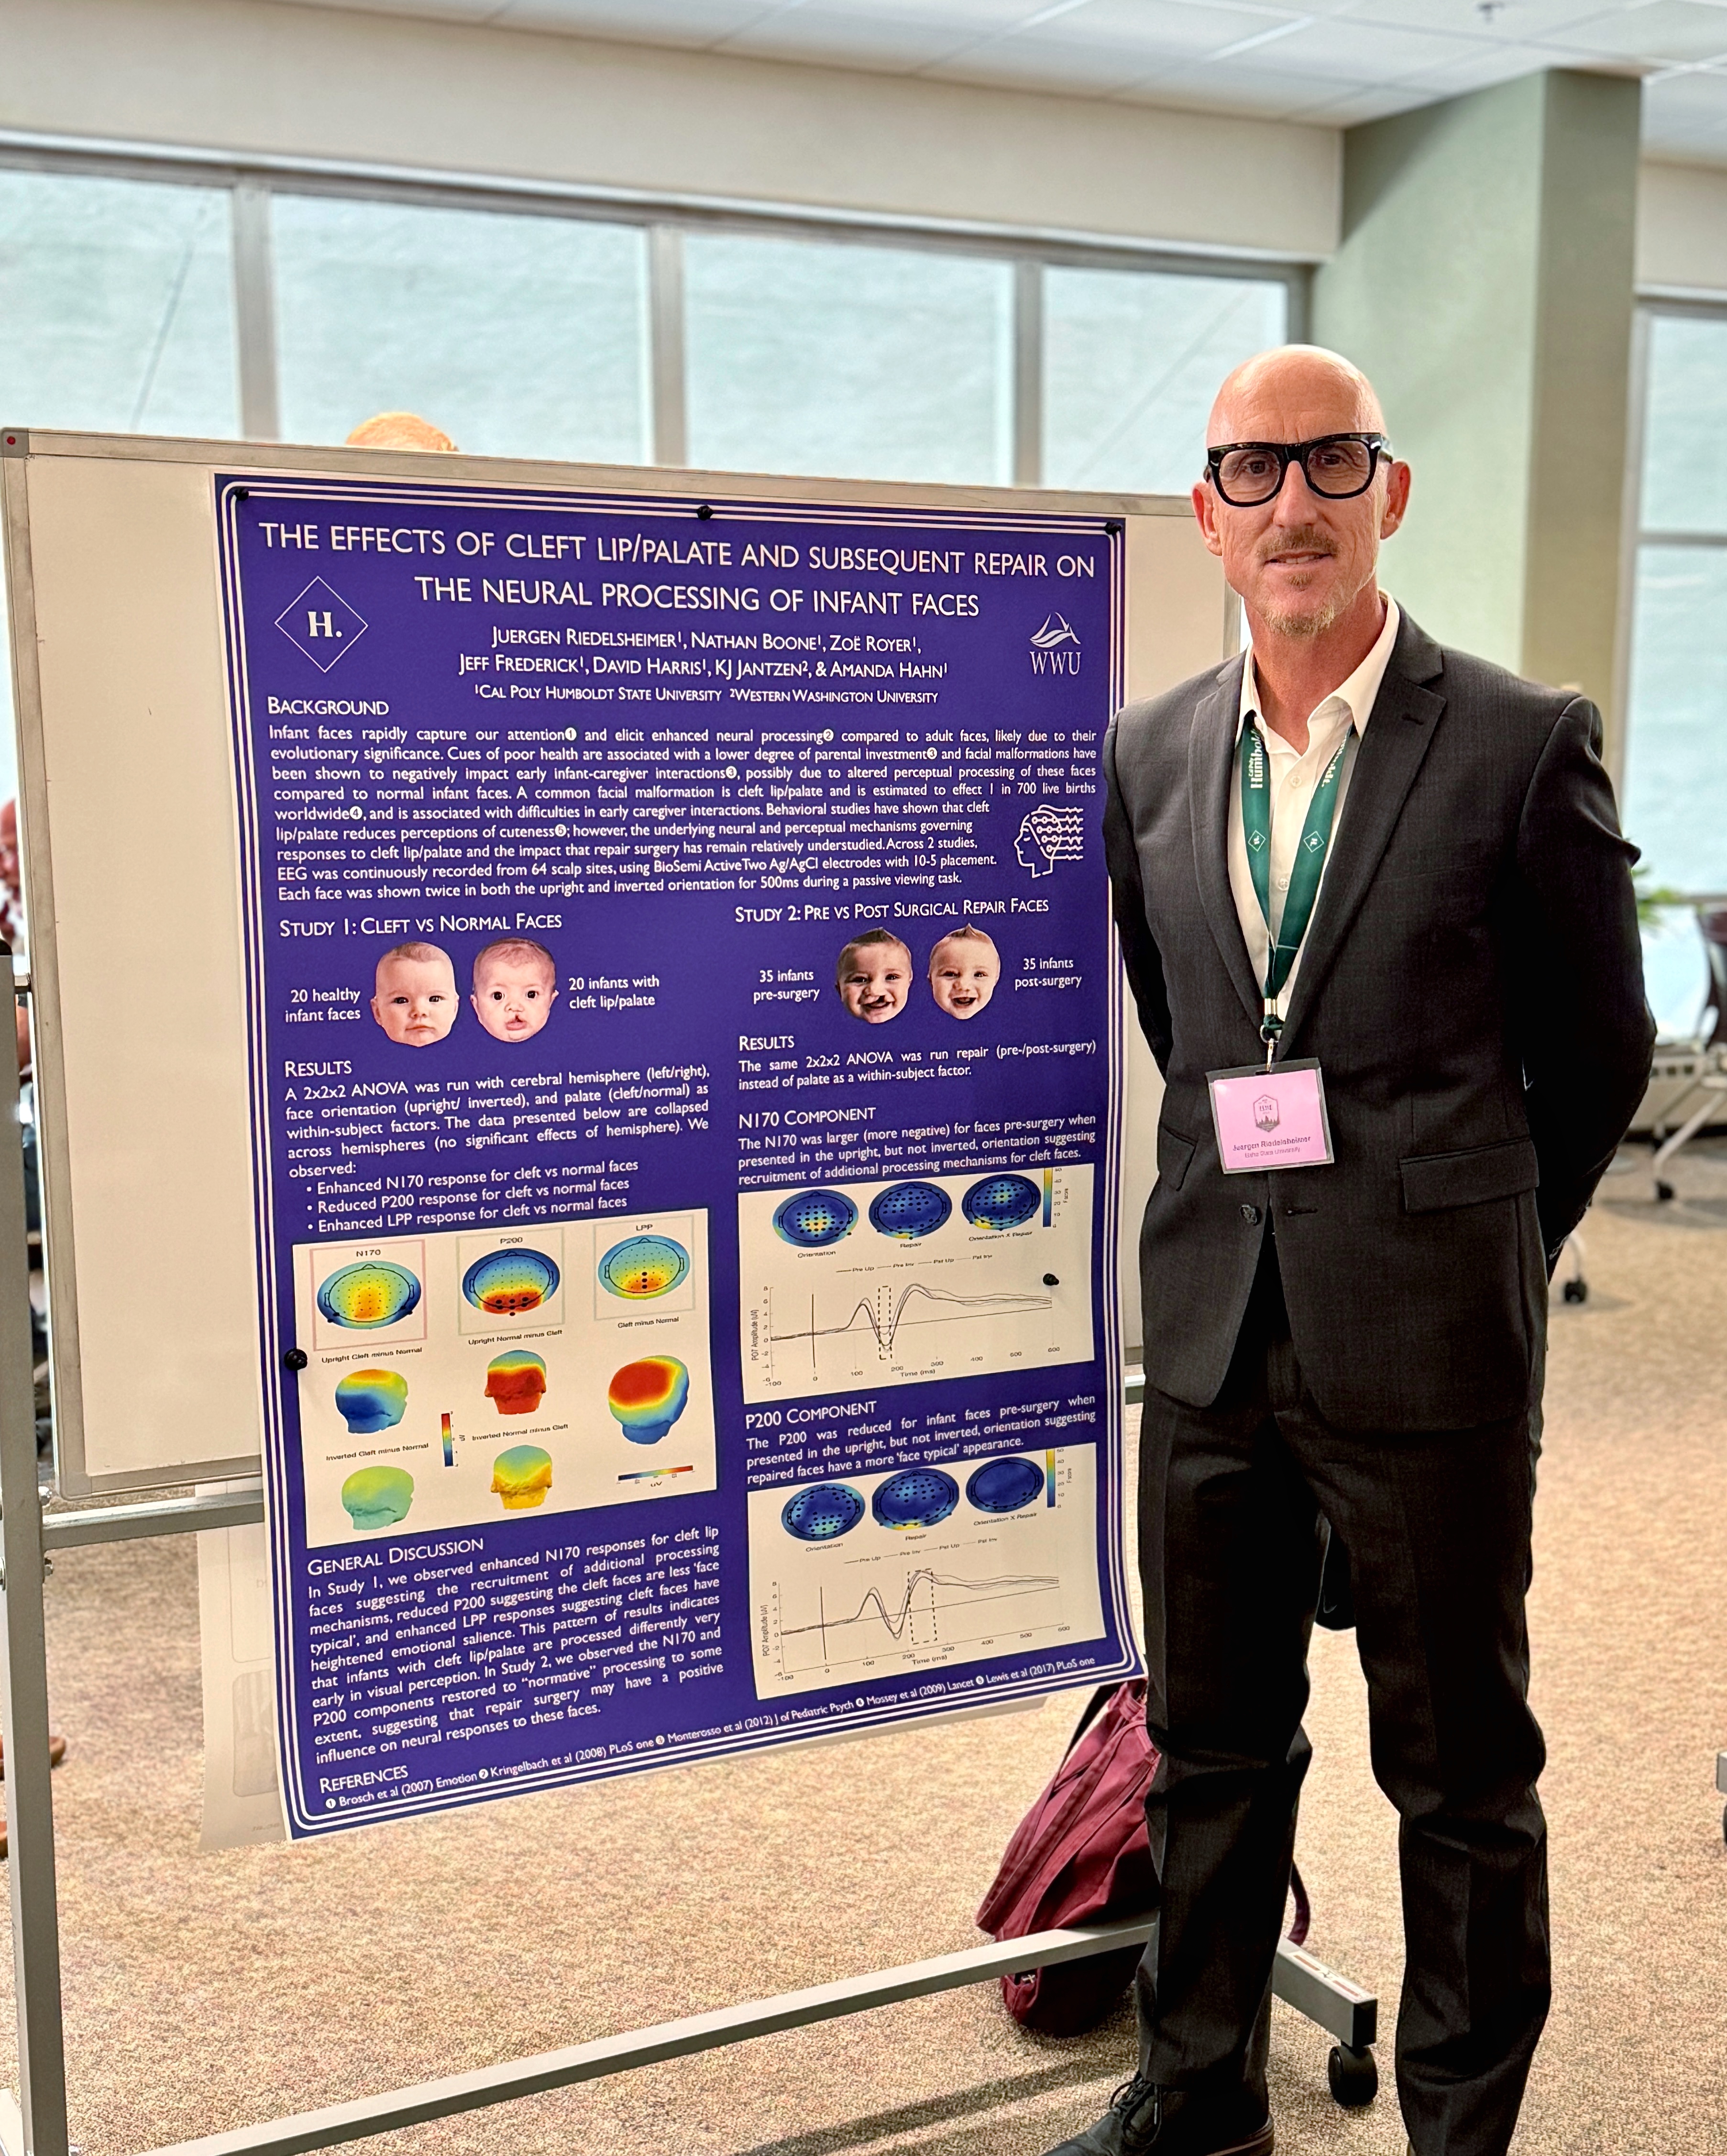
x,y
684,1047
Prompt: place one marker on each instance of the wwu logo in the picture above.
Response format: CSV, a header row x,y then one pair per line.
x,y
1055,648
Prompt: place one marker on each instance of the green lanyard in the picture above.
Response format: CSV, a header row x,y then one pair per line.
x,y
1285,941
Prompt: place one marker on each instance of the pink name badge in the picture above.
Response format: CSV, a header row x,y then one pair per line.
x,y
1267,1119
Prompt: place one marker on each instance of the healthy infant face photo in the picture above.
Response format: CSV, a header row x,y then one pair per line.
x,y
515,987
963,969
414,996
875,977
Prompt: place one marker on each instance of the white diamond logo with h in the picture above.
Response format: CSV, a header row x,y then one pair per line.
x,y
321,623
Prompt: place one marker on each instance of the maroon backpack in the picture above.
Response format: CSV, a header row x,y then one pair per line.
x,y
1081,1856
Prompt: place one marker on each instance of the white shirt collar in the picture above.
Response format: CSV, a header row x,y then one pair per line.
x,y
1358,693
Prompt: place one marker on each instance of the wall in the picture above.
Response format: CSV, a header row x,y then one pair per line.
x,y
1484,280
247,75
1682,230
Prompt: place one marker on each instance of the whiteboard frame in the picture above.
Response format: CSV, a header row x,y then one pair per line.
x,y
1181,618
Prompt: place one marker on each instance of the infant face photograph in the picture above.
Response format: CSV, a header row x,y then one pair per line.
x,y
414,996
515,987
963,969
875,976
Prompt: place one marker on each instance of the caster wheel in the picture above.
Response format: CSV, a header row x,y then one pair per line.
x,y
1354,2076
1663,1193
1576,1291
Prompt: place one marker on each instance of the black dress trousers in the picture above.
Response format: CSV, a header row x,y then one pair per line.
x,y
1438,1527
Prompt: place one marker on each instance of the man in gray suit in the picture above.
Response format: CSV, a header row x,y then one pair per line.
x,y
1378,920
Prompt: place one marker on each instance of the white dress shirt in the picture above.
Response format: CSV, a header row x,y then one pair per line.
x,y
1343,716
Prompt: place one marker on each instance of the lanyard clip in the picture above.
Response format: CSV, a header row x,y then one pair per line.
x,y
1270,1027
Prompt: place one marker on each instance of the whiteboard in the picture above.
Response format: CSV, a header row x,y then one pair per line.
x,y
132,892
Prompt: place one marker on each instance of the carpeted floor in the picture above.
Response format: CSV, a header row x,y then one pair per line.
x,y
205,1991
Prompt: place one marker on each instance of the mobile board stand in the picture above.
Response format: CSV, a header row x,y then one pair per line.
x,y
124,640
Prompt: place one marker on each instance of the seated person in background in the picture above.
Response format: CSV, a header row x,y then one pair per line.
x,y
875,976
963,969
414,996
399,430
515,987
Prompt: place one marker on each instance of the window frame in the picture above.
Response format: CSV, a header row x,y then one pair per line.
x,y
253,180
1634,535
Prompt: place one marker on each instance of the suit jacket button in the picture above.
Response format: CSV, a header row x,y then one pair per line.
x,y
1249,1213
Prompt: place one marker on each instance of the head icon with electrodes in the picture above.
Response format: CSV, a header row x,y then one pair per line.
x,y
370,1293
510,1282
1048,834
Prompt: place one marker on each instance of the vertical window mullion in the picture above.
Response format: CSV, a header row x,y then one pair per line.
x,y
254,314
669,403
1028,374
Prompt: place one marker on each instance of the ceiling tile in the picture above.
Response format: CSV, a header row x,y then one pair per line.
x,y
1479,68
1356,107
846,37
1144,34
1335,63
436,11
697,23
1015,63
1264,92
1685,115
1513,23
1670,31
1352,51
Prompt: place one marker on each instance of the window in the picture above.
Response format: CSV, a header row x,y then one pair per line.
x,y
1675,779
1132,360
116,309
567,330
860,363
116,315
518,335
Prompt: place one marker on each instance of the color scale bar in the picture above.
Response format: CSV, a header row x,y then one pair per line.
x,y
448,1444
1049,1475
1049,1196
654,1474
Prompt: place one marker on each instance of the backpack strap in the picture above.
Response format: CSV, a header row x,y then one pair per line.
x,y
1304,1915
1094,1706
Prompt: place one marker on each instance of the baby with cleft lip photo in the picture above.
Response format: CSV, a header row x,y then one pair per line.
x,y
874,976
515,987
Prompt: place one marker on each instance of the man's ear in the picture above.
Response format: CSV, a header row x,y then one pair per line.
x,y
1204,509
1396,498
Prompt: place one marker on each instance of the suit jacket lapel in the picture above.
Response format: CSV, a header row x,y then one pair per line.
x,y
1211,757
1390,754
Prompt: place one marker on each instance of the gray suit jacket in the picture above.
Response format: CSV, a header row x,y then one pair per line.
x,y
1472,986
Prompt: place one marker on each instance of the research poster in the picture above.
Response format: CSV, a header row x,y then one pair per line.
x,y
686,1073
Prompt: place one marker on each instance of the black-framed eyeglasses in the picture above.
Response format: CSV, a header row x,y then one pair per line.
x,y
1336,466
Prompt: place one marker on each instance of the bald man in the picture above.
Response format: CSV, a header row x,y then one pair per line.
x,y
1378,919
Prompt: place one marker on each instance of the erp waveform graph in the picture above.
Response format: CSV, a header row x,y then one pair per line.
x,y
1001,1286
845,1609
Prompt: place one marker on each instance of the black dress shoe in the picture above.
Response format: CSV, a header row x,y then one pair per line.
x,y
1145,2120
